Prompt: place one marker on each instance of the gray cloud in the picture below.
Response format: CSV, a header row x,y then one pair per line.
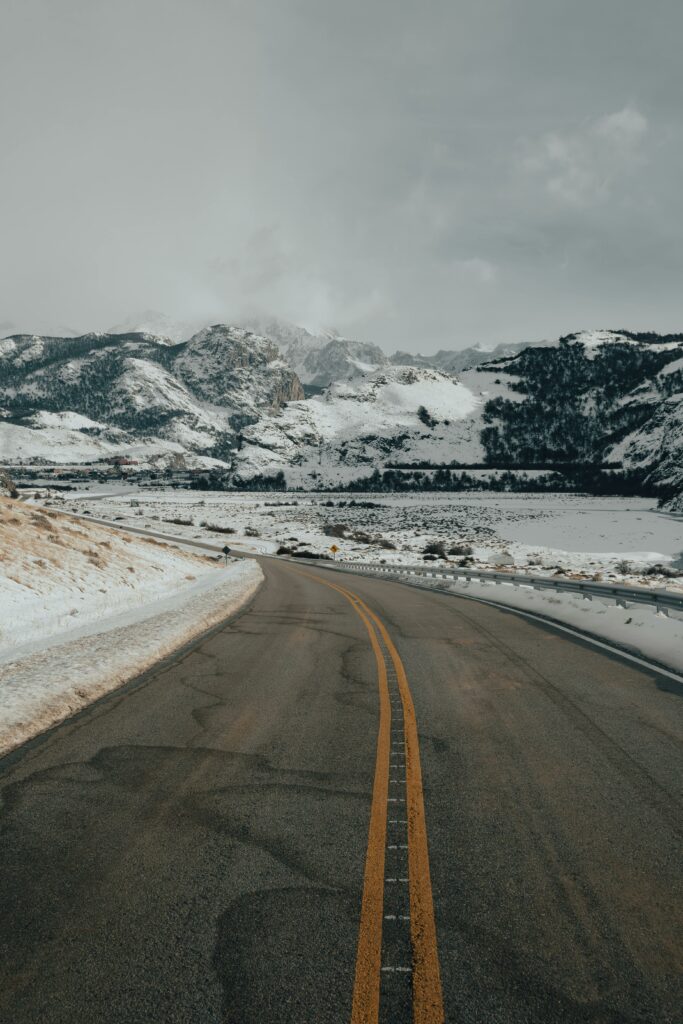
x,y
581,168
422,174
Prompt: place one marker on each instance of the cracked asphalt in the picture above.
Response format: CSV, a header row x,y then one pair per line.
x,y
191,848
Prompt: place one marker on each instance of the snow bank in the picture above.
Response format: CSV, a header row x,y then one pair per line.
x,y
84,607
638,628
44,688
57,574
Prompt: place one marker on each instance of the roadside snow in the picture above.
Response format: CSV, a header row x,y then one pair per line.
x,y
43,689
58,574
638,628
84,607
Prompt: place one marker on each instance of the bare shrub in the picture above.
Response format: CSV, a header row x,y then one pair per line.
x,y
213,528
460,549
663,570
436,548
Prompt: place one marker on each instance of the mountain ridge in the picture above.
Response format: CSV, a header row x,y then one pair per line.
x,y
142,390
226,398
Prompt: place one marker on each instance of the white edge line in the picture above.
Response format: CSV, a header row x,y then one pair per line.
x,y
652,666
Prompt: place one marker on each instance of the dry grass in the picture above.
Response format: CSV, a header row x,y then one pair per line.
x,y
42,522
42,549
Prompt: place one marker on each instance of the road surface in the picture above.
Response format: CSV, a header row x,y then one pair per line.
x,y
357,802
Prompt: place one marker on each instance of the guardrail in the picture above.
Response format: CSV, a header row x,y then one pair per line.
x,y
660,600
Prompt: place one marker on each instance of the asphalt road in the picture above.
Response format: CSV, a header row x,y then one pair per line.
x,y
214,843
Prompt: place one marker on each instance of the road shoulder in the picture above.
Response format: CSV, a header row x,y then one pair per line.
x,y
48,686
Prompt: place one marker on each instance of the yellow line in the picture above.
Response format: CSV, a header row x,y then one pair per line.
x,y
366,986
427,993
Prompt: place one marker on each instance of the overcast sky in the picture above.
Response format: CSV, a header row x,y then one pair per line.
x,y
422,174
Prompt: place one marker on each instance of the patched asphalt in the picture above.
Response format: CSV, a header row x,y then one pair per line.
x,y
191,848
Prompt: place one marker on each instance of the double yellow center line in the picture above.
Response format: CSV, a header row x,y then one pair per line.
x,y
426,979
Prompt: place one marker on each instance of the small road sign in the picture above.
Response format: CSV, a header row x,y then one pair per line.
x,y
226,552
334,549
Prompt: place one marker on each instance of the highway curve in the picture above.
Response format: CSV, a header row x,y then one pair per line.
x,y
356,802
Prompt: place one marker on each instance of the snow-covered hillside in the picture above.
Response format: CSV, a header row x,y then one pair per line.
x,y
596,396
397,413
588,399
141,395
47,437
58,574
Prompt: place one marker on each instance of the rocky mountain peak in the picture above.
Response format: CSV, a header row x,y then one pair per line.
x,y
235,346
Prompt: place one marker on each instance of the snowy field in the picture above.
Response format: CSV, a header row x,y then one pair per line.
x,y
625,539
83,608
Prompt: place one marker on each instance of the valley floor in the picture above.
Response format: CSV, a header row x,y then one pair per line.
x,y
614,538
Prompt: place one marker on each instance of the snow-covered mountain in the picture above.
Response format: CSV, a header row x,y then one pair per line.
x,y
76,399
450,361
227,397
319,359
586,400
400,414
322,358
